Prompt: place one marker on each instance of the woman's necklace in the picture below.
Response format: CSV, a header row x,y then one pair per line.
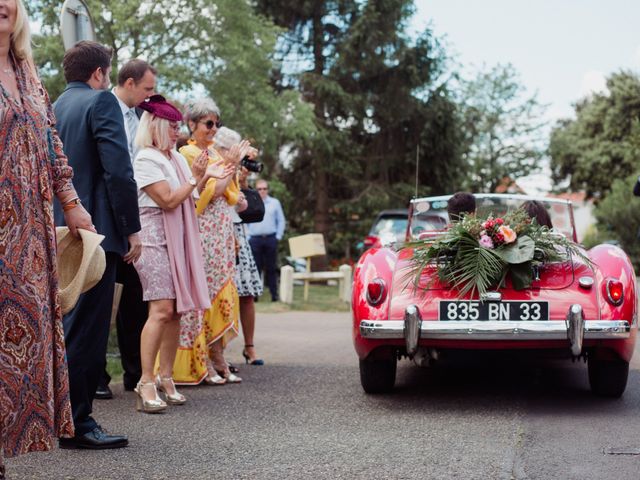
x,y
8,70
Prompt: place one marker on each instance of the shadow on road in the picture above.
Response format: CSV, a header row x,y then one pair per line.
x,y
499,380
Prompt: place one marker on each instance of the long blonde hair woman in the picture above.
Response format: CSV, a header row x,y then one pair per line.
x,y
34,394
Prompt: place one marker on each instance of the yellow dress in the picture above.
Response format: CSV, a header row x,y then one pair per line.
x,y
199,330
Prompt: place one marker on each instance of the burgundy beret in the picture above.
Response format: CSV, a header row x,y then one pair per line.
x,y
158,106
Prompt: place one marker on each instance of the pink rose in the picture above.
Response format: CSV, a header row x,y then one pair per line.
x,y
486,242
508,234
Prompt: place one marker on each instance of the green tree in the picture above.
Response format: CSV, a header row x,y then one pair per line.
x,y
164,32
224,50
602,143
375,97
504,130
618,216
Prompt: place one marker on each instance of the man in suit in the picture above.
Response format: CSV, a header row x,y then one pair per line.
x,y
136,83
91,127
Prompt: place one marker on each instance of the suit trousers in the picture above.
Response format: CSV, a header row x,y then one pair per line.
x,y
86,332
132,315
265,253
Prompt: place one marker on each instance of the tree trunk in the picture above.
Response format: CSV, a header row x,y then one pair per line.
x,y
321,210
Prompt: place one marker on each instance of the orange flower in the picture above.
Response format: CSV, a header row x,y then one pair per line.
x,y
508,233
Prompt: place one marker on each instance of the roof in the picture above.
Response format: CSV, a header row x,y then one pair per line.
x,y
509,185
573,197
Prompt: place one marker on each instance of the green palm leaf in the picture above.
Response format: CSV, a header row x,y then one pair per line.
x,y
475,269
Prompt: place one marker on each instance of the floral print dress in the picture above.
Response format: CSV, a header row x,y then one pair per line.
x,y
198,330
34,387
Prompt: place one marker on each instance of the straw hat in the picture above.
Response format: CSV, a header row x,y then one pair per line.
x,y
81,264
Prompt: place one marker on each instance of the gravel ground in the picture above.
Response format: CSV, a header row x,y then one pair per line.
x,y
304,415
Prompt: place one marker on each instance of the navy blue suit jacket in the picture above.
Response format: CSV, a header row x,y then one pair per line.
x,y
92,130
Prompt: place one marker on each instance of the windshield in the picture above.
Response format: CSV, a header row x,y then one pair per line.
x,y
390,229
430,214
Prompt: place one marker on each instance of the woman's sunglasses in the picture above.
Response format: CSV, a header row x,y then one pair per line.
x,y
210,124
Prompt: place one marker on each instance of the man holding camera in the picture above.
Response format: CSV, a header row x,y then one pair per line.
x,y
264,237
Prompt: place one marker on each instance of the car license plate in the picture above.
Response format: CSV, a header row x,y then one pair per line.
x,y
505,311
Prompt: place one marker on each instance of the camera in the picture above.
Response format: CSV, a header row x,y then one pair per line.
x,y
251,165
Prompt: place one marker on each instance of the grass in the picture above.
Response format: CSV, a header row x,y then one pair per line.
x,y
322,298
114,367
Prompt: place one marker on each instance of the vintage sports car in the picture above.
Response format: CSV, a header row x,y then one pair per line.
x,y
563,300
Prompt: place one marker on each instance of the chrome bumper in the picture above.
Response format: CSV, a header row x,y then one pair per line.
x,y
574,328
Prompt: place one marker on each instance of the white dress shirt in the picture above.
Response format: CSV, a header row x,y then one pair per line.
x,y
131,123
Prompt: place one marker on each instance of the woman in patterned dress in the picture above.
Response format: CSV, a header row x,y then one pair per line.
x,y
203,337
248,282
34,388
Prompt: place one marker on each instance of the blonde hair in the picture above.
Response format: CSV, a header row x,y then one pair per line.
x,y
21,36
153,131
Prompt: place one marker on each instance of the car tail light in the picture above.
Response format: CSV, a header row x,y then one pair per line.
x,y
376,291
370,241
615,291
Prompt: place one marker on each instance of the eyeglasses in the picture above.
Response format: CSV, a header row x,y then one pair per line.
x,y
263,188
210,124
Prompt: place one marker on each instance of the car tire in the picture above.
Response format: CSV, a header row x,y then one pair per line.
x,y
378,375
608,378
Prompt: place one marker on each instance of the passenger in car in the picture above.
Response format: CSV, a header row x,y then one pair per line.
x,y
459,204
537,211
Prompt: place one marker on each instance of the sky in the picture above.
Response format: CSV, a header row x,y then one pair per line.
x,y
563,49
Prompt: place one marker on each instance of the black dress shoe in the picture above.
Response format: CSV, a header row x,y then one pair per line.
x,y
103,393
97,439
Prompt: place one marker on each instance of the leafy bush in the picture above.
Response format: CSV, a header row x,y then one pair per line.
x,y
618,218
596,236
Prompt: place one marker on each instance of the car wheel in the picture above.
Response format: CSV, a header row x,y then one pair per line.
x,y
608,378
378,375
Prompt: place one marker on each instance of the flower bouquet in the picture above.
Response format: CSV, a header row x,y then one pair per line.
x,y
475,255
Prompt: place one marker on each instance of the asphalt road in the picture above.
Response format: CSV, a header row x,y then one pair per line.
x,y
304,415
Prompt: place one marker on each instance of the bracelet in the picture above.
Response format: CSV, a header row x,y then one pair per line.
x,y
71,204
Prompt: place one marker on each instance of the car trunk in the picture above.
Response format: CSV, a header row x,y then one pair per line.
x,y
557,285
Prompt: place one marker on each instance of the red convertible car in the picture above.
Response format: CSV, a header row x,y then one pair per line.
x,y
578,306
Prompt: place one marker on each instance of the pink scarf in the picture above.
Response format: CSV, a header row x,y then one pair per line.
x,y
185,250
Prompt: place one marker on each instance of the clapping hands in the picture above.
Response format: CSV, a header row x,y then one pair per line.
x,y
220,170
237,152
199,166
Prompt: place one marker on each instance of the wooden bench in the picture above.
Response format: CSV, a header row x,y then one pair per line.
x,y
287,276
